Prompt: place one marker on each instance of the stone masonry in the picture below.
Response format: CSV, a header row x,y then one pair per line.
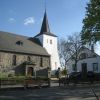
x,y
6,61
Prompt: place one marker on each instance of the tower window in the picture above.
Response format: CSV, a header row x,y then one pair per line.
x,y
14,60
50,41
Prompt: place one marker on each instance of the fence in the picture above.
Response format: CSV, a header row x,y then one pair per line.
x,y
24,82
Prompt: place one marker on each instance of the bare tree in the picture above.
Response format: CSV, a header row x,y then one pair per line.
x,y
68,49
63,52
75,44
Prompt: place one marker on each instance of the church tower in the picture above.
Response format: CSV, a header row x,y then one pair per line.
x,y
49,42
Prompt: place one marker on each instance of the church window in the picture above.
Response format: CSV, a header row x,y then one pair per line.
x,y
28,58
14,60
41,62
50,41
95,67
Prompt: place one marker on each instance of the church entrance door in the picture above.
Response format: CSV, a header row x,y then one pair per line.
x,y
30,71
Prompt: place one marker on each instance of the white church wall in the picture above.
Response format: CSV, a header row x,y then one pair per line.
x,y
50,44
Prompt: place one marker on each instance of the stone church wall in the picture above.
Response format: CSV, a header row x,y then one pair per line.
x,y
6,61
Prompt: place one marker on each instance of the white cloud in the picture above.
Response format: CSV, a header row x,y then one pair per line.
x,y
11,20
29,21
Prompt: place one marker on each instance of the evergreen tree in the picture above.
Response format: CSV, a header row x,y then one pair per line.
x,y
91,23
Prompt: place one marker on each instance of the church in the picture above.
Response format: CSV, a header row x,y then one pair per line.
x,y
27,55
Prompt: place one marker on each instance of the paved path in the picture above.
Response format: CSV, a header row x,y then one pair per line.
x,y
54,93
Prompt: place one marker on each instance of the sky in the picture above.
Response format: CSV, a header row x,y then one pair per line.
x,y
24,17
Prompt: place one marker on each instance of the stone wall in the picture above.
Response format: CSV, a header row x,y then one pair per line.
x,y
6,61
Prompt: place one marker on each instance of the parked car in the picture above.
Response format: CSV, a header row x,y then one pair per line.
x,y
91,76
79,76
75,75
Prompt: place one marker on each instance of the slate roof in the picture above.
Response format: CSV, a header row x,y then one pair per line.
x,y
21,44
45,24
45,27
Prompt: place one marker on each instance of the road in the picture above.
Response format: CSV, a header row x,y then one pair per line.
x,y
80,92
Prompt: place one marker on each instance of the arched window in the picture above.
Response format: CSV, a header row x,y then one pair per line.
x,y
14,60
28,58
41,62
83,56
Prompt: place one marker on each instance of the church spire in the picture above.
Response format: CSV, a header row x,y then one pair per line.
x,y
45,24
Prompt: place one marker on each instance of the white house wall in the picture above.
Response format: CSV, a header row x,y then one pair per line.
x,y
89,62
69,66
